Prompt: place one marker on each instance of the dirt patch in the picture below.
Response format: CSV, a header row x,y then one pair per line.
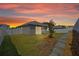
x,y
46,47
67,49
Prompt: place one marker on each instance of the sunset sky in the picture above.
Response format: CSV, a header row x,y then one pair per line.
x,y
17,14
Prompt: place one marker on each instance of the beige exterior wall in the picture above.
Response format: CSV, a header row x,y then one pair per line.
x,y
33,30
38,30
28,30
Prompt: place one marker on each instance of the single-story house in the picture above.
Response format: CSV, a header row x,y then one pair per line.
x,y
33,27
4,28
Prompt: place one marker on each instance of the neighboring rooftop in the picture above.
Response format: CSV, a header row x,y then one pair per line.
x,y
4,25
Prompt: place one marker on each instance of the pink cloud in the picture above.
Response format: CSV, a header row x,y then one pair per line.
x,y
51,10
8,6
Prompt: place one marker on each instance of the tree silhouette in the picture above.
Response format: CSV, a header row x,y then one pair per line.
x,y
51,25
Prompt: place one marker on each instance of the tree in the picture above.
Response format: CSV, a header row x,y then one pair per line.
x,y
51,25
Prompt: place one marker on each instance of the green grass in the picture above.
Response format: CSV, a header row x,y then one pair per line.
x,y
58,35
7,48
27,44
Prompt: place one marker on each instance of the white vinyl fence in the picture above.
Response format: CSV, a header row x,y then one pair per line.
x,y
63,30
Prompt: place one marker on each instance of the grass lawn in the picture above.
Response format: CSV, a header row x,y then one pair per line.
x,y
58,35
33,45
28,44
7,48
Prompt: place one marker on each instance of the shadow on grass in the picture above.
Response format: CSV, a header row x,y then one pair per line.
x,y
75,43
75,39
7,48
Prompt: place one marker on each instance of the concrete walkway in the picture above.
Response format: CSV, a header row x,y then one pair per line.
x,y
58,48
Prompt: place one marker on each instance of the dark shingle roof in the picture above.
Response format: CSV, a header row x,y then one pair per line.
x,y
33,23
4,25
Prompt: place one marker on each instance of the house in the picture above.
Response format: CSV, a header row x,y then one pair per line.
x,y
59,27
3,31
33,27
4,28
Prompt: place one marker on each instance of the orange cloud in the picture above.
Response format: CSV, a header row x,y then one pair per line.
x,y
33,11
14,21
